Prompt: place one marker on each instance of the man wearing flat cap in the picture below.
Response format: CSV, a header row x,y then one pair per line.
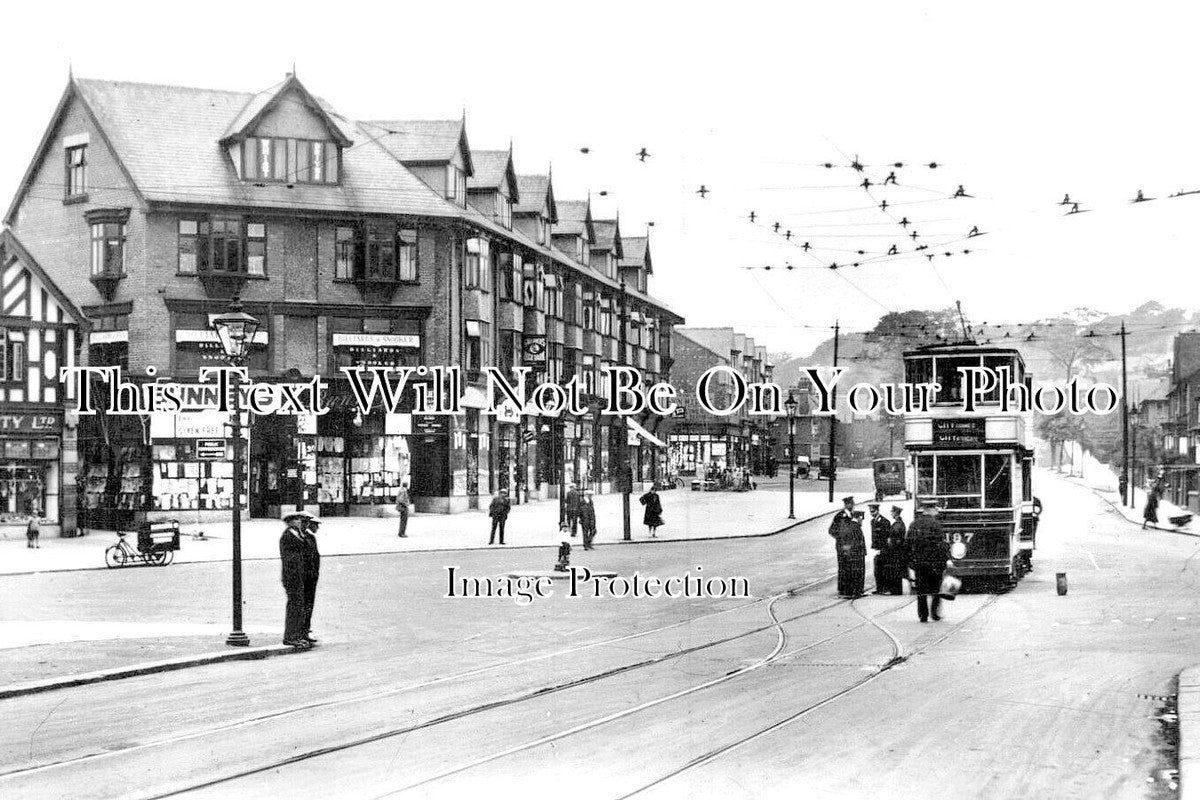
x,y
846,530
294,555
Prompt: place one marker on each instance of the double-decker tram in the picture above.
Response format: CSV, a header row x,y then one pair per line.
x,y
976,465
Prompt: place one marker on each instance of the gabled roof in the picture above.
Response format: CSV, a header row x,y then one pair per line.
x,y
494,168
536,191
708,343
636,252
264,102
608,237
166,140
718,340
425,141
575,219
11,247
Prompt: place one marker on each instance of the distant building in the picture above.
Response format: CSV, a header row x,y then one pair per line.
x,y
697,439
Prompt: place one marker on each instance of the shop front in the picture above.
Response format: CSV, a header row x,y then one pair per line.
x,y
30,469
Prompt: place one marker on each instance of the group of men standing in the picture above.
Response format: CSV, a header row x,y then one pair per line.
x,y
301,569
921,550
579,511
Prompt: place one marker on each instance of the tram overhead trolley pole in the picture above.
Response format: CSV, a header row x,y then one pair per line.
x,y
1127,499
833,420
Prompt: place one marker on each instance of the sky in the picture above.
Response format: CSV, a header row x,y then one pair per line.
x,y
1018,103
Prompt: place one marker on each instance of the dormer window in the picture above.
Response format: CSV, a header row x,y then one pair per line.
x,y
541,229
290,160
502,209
456,185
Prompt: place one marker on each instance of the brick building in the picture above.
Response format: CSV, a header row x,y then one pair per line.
x,y
698,439
385,243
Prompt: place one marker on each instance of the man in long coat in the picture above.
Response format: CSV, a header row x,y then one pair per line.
x,y
571,505
881,529
846,530
293,553
312,573
928,557
587,517
896,556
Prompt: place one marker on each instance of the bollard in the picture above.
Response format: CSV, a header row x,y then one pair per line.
x,y
1062,583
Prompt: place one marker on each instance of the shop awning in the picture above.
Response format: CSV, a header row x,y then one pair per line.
x,y
644,434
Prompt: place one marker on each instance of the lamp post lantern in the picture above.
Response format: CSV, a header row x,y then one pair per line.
x,y
235,330
790,405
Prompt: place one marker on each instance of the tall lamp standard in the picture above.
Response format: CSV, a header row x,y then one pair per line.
x,y
235,329
790,405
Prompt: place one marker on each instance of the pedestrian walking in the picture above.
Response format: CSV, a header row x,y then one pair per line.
x,y
293,550
880,530
1150,512
846,530
896,558
402,503
498,511
652,518
312,573
33,530
928,557
571,505
587,518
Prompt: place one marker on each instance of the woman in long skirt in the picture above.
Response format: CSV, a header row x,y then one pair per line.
x,y
652,519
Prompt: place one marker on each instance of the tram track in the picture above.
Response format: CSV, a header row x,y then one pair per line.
x,y
776,654
374,697
898,657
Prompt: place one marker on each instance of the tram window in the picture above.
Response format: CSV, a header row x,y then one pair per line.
x,y
958,480
997,470
950,378
920,370
925,476
1027,479
995,364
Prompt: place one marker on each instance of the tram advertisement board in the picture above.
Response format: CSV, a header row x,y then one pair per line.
x,y
959,432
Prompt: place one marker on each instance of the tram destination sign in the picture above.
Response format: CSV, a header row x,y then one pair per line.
x,y
959,432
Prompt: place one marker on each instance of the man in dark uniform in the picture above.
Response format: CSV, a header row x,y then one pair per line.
x,y
928,557
897,559
312,573
880,530
847,533
293,552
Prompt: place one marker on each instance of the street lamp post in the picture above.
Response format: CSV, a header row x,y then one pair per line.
x,y
235,329
790,405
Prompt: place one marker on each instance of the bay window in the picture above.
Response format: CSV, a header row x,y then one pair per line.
x,y
222,244
375,250
108,249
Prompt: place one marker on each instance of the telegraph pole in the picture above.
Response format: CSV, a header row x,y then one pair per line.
x,y
626,475
1127,498
833,419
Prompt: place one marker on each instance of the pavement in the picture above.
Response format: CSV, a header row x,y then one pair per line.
x,y
789,692
1103,483
41,655
688,516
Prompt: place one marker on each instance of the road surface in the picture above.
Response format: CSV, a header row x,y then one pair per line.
x,y
792,692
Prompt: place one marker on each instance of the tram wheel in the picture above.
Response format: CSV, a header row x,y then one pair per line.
x,y
114,556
